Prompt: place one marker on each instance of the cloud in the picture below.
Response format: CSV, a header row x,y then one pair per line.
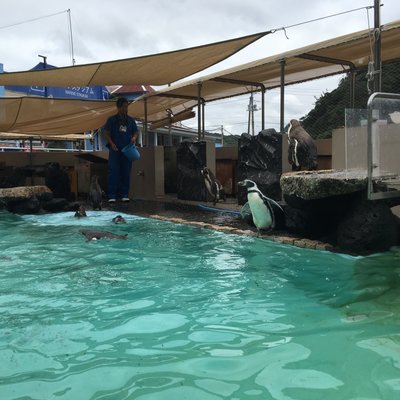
x,y
104,30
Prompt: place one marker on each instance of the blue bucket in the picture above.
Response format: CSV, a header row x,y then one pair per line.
x,y
131,152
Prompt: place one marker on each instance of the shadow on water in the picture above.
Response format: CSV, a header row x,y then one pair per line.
x,y
341,280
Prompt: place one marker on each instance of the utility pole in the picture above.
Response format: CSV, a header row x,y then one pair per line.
x,y
222,135
251,108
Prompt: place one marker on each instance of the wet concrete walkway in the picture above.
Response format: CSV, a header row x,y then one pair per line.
x,y
227,219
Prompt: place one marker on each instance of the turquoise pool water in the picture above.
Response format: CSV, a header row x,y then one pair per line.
x,y
176,312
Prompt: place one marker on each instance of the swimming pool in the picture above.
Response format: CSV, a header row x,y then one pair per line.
x,y
176,312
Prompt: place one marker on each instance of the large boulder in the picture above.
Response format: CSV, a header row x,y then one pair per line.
x,y
333,206
369,226
260,160
191,158
25,199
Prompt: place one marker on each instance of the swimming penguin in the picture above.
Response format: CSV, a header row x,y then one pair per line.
x,y
213,186
119,219
302,148
80,212
95,193
267,213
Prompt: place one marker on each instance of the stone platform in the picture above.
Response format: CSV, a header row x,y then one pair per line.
x,y
332,206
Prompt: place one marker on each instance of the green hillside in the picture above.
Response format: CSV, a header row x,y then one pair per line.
x,y
328,112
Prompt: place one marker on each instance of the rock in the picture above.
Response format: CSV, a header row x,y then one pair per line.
x,y
310,185
58,182
316,219
42,193
25,199
28,206
56,205
191,158
260,160
369,227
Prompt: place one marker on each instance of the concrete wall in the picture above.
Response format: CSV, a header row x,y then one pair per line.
x,y
386,149
147,179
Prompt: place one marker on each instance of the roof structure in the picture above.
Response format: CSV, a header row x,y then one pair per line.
x,y
336,56
342,54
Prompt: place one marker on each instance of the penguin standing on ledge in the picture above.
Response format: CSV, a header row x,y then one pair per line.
x,y
213,185
302,148
267,213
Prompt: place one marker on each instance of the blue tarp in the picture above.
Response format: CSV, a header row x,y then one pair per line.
x,y
83,92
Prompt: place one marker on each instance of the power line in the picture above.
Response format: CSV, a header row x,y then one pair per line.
x,y
283,28
33,19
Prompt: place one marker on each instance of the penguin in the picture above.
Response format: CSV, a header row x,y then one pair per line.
x,y
267,213
119,219
213,185
302,148
95,193
80,212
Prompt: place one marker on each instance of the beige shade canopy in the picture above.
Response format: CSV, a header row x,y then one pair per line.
x,y
51,116
338,55
36,115
157,69
27,136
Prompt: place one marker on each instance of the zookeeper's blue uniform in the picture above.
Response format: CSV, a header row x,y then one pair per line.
x,y
121,129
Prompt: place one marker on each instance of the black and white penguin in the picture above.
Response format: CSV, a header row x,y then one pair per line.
x,y
80,212
267,213
302,148
213,186
119,219
95,193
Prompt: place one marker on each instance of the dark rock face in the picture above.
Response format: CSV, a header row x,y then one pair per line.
x,y
368,227
260,160
56,205
332,206
318,218
191,158
57,181
29,206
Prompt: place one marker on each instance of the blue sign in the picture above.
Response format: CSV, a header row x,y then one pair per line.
x,y
83,92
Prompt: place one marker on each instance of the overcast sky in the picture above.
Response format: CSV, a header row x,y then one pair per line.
x,y
107,30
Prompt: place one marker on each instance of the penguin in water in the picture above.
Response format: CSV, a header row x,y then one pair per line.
x,y
119,219
302,148
80,212
267,213
213,186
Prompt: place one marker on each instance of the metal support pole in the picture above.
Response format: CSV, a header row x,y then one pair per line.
x,y
282,111
145,124
203,124
199,111
377,47
262,108
352,88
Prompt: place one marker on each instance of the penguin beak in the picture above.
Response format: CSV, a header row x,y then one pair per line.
x,y
241,183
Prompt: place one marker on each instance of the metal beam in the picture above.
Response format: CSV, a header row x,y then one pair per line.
x,y
328,60
238,81
282,112
177,96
